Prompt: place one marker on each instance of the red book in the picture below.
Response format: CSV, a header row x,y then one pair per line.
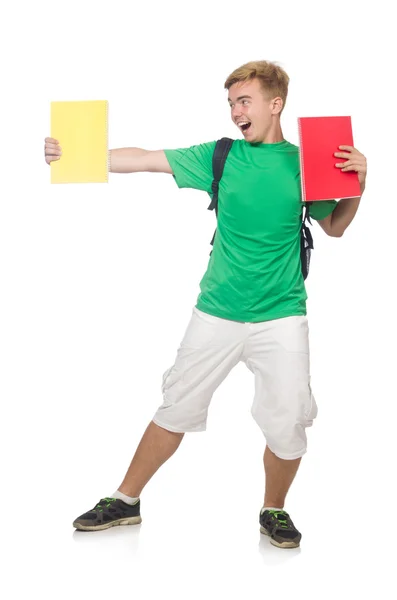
x,y
319,138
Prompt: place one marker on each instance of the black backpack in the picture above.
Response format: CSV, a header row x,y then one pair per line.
x,y
221,151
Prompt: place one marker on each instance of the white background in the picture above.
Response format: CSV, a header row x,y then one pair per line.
x,y
97,286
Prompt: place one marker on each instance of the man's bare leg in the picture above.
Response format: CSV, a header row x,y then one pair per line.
x,y
155,448
280,474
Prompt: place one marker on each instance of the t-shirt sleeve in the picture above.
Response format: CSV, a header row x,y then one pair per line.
x,y
192,167
320,210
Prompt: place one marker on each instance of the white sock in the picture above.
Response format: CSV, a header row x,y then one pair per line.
x,y
124,498
270,508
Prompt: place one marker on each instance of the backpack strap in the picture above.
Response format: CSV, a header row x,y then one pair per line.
x,y
306,235
221,151
306,213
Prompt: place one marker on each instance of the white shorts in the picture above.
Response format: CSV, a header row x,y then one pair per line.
x,y
277,353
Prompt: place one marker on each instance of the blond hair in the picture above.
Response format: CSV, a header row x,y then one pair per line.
x,y
273,79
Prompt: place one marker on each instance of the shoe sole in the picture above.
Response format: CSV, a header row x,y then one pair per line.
x,y
129,521
290,544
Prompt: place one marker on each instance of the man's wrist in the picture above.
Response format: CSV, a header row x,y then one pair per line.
x,y
362,187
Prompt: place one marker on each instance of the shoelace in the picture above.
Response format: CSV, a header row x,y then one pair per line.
x,y
281,516
104,502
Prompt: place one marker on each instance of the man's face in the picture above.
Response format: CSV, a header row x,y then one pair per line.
x,y
251,111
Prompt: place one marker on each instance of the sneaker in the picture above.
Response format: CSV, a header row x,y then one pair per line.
x,y
108,513
278,525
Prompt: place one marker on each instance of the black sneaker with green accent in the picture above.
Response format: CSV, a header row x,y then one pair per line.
x,y
108,513
278,525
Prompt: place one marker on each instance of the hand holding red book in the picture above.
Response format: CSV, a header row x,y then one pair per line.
x,y
321,179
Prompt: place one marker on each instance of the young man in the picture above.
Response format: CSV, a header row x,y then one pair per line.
x,y
252,305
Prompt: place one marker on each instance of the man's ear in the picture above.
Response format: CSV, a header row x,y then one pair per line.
x,y
277,105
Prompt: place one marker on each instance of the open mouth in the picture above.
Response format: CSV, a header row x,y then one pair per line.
x,y
244,126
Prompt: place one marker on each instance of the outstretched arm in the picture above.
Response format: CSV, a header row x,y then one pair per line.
x,y
121,160
133,160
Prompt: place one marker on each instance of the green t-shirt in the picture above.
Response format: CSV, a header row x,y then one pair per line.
x,y
254,271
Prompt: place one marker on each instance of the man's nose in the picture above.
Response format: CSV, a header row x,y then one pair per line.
x,y
236,112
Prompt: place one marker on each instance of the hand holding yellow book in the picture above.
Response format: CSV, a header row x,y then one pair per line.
x,y
82,131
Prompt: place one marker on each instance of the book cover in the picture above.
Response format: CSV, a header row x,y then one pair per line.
x,y
81,127
319,139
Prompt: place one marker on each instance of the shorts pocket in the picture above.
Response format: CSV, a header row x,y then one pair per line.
x,y
165,386
311,408
291,334
165,377
202,330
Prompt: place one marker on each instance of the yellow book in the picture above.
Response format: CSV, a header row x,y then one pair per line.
x,y
81,129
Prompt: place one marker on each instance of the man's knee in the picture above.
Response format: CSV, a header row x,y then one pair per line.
x,y
174,420
285,434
